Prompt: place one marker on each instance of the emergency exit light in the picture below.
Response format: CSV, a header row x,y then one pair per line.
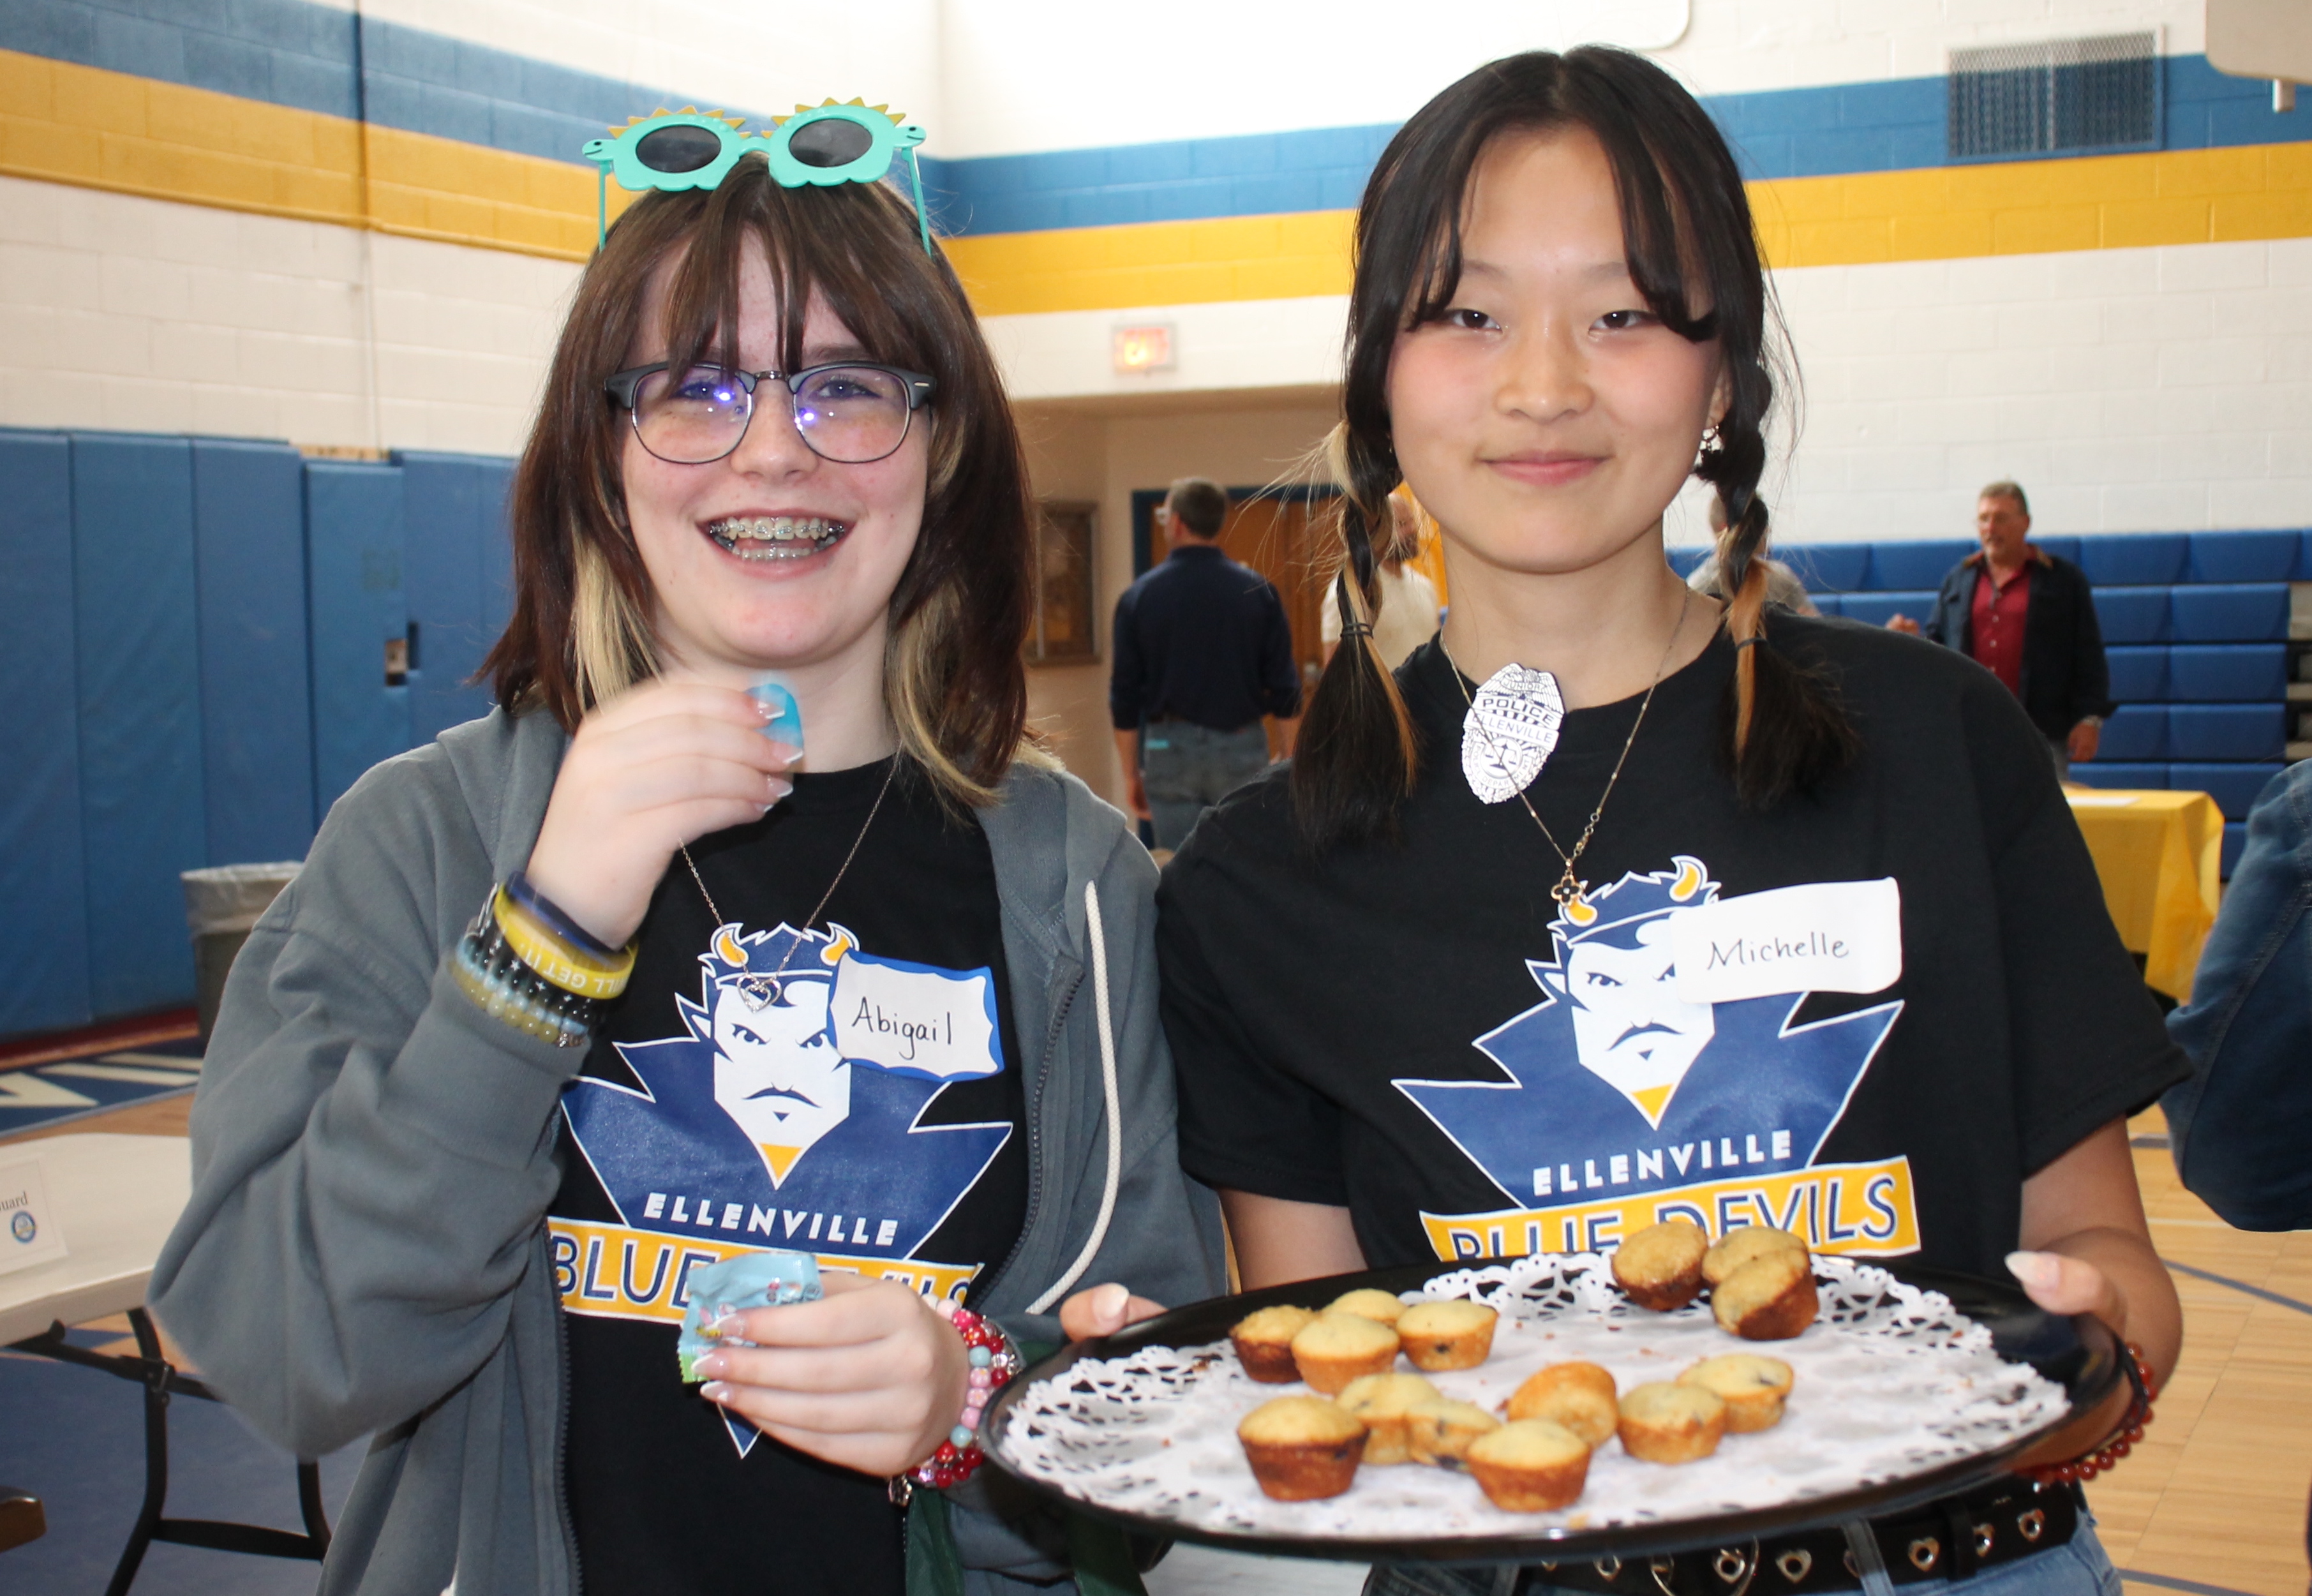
x,y
1140,349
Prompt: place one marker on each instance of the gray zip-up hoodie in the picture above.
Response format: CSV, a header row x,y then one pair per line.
x,y
364,1253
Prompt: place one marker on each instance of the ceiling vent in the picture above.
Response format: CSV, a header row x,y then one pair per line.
x,y
2069,96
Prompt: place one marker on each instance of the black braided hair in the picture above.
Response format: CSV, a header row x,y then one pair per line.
x,y
1686,224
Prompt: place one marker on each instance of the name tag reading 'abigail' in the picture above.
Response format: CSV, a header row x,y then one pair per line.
x,y
1828,936
916,1019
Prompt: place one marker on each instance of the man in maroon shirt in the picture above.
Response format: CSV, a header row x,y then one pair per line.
x,y
2028,617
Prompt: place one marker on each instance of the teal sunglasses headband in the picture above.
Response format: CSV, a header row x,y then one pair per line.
x,y
818,147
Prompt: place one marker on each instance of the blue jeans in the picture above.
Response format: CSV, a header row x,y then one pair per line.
x,y
2078,1567
1188,768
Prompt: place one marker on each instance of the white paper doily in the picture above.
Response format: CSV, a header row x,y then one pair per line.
x,y
1891,1381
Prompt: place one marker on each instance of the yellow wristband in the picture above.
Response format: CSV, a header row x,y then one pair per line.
x,y
556,960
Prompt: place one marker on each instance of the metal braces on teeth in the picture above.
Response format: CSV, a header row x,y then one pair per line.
x,y
776,537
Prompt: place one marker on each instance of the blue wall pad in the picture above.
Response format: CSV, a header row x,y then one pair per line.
x,y
354,602
1922,563
2246,612
143,817
2244,556
2139,675
1829,603
2138,559
2234,787
2104,772
458,570
2227,731
257,727
2218,671
2131,614
1684,560
44,934
1828,567
2134,732
2235,844
2062,546
1873,609
2304,556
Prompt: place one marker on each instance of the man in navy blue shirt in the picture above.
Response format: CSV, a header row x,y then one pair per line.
x,y
1203,651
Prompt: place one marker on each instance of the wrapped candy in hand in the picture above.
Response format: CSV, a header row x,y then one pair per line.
x,y
752,1280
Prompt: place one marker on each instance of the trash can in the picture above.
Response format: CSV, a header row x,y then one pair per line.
x,y
220,904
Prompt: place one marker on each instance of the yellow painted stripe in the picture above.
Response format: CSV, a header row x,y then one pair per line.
x,y
2170,196
65,123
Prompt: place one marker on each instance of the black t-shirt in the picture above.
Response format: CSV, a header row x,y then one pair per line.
x,y
1414,1032
854,1092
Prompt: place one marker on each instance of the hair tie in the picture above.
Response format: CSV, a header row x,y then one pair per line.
x,y
1356,628
1747,643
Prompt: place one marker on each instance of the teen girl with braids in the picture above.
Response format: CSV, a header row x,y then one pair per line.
x,y
609,986
1432,996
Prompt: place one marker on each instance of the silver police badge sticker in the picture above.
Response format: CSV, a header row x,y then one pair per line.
x,y
1509,732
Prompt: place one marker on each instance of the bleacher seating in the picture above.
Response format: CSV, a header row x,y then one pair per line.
x,y
2195,625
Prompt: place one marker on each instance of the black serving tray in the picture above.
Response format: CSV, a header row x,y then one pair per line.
x,y
2077,1352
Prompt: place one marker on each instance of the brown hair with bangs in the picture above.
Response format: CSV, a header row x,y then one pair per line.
x,y
954,683
1686,224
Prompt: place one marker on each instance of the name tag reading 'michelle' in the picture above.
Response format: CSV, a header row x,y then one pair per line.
x,y
1829,936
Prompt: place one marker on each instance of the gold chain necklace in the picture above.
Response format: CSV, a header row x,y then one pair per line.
x,y
824,897
1569,891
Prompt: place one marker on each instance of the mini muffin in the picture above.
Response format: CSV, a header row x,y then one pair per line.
x,y
1301,1448
1440,1430
1663,1422
1660,1266
1334,1348
1454,1335
1380,1402
1531,1466
1579,1396
1736,1248
1752,1388
1372,1303
1768,1299
1264,1343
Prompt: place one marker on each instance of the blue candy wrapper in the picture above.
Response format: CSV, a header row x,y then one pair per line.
x,y
786,724
750,1280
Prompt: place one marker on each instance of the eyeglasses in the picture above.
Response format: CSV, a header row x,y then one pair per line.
x,y
850,415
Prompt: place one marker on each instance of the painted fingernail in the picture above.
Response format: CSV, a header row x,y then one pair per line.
x,y
716,1391
2034,1268
1109,1300
709,1364
729,1325
780,786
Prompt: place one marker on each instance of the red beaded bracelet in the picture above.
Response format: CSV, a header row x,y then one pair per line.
x,y
993,1363
2130,1431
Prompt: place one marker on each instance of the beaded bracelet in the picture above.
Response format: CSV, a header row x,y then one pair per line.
x,y
993,1363
2124,1438
490,971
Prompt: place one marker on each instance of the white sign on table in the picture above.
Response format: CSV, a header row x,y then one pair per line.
x,y
29,1231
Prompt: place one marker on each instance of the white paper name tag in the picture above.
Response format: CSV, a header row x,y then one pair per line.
x,y
29,1231
1830,936
914,1020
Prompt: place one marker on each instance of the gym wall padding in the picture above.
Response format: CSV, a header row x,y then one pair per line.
x,y
257,731
458,576
354,605
138,652
44,934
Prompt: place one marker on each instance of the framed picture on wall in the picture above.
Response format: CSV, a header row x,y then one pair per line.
x,y
1063,631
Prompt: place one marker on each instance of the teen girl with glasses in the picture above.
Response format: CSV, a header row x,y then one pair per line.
x,y
611,984
1436,992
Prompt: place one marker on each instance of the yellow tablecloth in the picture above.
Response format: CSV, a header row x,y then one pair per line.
x,y
2159,855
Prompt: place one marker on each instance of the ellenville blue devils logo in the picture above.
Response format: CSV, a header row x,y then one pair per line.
x,y
787,1114
1663,1072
